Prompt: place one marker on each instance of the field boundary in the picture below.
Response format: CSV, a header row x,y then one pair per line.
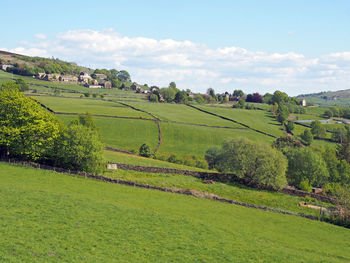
x,y
189,192
228,119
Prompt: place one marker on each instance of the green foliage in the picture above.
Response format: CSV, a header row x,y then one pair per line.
x,y
172,85
238,93
22,84
211,92
279,97
305,164
306,137
145,150
284,143
153,98
267,98
240,105
181,97
305,185
212,156
26,130
290,126
257,164
282,113
80,149
199,98
87,94
317,129
168,93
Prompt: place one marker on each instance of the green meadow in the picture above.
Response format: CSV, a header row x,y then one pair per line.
x,y
51,217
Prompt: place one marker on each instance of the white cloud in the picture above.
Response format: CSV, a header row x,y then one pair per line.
x,y
40,36
196,66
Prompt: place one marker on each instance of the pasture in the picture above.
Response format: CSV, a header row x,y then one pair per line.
x,y
69,219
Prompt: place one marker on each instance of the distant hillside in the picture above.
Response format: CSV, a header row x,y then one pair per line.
x,y
340,97
28,66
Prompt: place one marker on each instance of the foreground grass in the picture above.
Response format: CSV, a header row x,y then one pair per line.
x,y
49,217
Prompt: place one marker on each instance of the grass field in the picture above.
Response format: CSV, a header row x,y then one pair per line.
x,y
118,157
123,133
230,190
49,217
182,113
260,120
93,106
193,140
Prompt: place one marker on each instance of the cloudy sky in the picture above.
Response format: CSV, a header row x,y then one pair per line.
x,y
259,46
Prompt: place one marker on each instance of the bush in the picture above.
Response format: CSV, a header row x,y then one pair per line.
x,y
258,164
306,137
145,150
305,164
87,94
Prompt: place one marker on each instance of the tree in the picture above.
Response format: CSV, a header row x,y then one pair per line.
x,y
199,98
145,150
181,97
279,97
282,113
305,164
338,134
124,75
212,156
23,86
172,85
238,93
80,149
317,129
153,98
306,137
290,126
27,130
211,92
255,97
168,94
257,164
267,98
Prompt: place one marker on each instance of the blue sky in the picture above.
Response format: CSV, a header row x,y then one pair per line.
x,y
238,30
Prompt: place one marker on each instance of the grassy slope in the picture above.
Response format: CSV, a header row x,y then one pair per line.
x,y
228,190
124,134
182,113
53,218
93,106
257,119
193,140
142,161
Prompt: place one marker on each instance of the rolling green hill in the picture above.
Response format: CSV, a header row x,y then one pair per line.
x,y
52,217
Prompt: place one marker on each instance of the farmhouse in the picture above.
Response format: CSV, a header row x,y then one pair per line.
x,y
107,85
100,76
69,79
84,77
303,102
51,77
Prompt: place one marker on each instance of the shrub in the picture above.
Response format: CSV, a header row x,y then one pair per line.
x,y
145,150
94,95
87,94
306,137
305,164
256,163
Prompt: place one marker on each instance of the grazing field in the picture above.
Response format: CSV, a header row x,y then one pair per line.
x,y
182,113
230,190
193,140
124,158
93,106
260,120
123,133
70,219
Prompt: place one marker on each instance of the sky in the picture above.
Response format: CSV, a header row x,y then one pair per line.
x,y
258,46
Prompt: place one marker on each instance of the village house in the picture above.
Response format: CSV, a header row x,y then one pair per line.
x,y
52,77
134,86
68,79
303,102
100,76
93,86
40,75
107,85
84,77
